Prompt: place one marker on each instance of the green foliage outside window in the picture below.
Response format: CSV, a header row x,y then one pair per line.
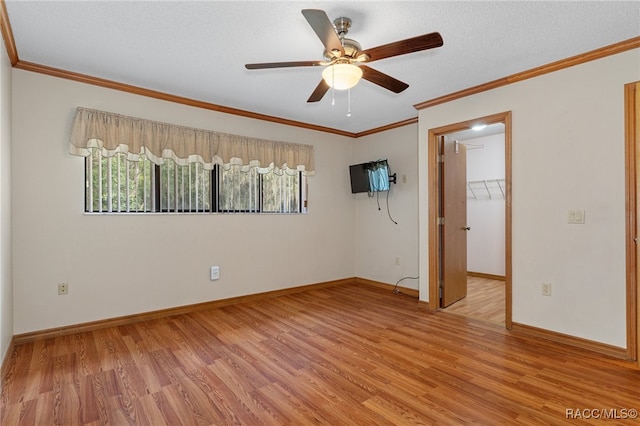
x,y
116,184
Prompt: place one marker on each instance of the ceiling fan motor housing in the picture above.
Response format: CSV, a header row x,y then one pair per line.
x,y
351,49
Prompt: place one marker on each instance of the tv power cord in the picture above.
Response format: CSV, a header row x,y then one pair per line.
x,y
395,288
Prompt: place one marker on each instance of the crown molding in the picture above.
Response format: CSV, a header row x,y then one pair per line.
x,y
603,52
7,34
83,78
386,127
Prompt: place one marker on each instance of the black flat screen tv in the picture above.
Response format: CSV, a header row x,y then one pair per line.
x,y
372,176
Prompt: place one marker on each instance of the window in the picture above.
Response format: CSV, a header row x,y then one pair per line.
x,y
137,165
119,185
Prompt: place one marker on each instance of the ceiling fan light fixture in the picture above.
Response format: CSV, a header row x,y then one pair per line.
x,y
342,76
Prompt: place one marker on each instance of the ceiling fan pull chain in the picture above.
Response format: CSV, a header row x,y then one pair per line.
x,y
348,102
333,86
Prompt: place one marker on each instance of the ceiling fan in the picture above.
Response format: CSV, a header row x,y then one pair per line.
x,y
344,58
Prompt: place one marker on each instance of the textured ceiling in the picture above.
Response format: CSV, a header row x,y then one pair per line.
x,y
198,49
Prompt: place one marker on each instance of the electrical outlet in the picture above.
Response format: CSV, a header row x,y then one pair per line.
x,y
397,260
546,289
63,289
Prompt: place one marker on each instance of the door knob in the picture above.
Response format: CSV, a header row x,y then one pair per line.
x,y
467,228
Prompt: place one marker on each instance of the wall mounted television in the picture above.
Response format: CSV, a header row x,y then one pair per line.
x,y
372,176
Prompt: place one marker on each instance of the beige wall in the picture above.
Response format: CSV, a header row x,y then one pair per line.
x,y
6,286
378,240
125,264
568,153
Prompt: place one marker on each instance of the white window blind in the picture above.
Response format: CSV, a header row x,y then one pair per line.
x,y
118,185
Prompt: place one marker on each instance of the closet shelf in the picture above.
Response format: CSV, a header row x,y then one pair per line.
x,y
488,189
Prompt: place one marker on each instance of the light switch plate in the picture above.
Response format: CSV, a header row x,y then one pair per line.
x,y
575,216
215,273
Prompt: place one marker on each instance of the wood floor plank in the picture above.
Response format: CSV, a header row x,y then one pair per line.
x,y
350,354
485,301
44,410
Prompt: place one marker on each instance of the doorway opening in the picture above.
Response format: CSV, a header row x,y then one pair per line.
x,y
484,275
451,265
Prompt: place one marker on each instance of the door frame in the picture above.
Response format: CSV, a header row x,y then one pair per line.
x,y
632,140
433,188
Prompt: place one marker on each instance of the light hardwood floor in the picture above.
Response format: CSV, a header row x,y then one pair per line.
x,y
485,301
342,355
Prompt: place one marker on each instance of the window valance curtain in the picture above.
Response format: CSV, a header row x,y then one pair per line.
x,y
114,134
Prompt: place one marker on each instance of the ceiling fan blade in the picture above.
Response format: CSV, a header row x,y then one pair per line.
x,y
283,64
382,79
402,47
323,27
319,92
